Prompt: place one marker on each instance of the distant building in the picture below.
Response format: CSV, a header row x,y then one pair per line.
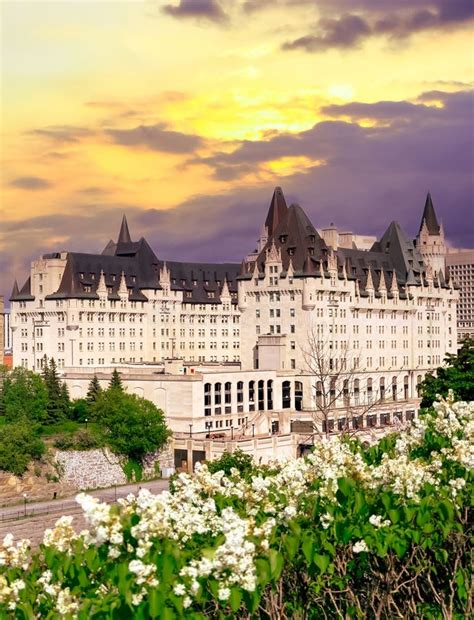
x,y
242,328
461,267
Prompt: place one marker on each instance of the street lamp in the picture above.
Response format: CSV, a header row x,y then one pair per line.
x,y
25,497
253,430
86,420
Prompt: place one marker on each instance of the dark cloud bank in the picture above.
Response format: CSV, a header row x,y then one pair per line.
x,y
372,175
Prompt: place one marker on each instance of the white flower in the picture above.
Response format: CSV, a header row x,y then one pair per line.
x,y
360,546
223,594
378,521
179,589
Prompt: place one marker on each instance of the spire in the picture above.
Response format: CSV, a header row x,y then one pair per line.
x,y
290,271
429,217
123,290
277,211
124,235
15,291
101,287
225,293
243,268
382,285
369,285
394,283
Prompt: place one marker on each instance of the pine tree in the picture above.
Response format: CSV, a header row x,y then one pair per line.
x,y
56,406
115,381
65,400
94,390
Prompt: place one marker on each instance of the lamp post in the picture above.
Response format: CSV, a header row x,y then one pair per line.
x,y
232,431
191,430
25,497
86,420
253,430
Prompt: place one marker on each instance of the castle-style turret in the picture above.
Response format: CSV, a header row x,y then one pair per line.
x,y
430,239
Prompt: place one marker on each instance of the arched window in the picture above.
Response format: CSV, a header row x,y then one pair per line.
x,y
382,389
356,391
228,396
261,395
394,388
207,399
286,395
240,396
345,393
217,397
251,395
298,395
405,387
319,394
369,391
269,394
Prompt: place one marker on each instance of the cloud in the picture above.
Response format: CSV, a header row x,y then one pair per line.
x,y
156,138
390,111
63,133
30,183
209,10
395,20
371,176
341,33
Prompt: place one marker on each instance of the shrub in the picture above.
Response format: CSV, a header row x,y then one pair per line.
x,y
343,533
238,460
19,444
130,425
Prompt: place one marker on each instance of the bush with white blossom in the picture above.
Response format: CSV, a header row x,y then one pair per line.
x,y
348,531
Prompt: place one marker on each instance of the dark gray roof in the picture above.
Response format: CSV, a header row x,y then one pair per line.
x,y
277,211
201,282
24,294
429,217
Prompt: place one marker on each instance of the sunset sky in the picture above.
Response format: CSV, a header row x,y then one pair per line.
x,y
185,114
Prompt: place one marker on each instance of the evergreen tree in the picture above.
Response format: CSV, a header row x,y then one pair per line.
x,y
457,374
94,390
116,381
66,401
57,406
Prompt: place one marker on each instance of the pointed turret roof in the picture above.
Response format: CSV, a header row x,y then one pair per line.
x,y
15,291
277,211
429,217
124,234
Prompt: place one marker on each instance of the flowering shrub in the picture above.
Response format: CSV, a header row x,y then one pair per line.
x,y
382,532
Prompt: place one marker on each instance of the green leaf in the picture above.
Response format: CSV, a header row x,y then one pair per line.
x,y
263,570
276,563
321,561
235,598
291,545
307,547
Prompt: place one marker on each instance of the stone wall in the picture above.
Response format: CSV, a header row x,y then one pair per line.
x,y
90,469
159,462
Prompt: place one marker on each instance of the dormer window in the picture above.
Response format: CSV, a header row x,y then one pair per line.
x,y
206,282
133,278
112,277
291,251
81,275
194,282
312,239
283,238
311,251
92,276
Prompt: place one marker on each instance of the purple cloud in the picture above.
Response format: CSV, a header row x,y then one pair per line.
x,y
202,9
156,138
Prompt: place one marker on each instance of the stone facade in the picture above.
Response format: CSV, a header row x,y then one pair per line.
x,y
241,334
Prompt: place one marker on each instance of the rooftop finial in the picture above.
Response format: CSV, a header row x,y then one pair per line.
x,y
429,217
